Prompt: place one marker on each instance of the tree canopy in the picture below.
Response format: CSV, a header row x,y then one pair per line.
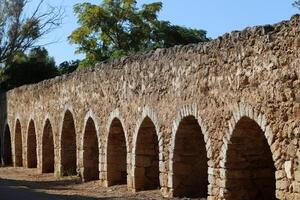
x,y
28,68
67,67
112,29
118,27
19,31
297,3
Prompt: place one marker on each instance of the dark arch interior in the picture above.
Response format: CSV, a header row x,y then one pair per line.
x,y
147,157
68,146
18,145
116,154
190,178
31,146
47,149
249,164
90,152
7,153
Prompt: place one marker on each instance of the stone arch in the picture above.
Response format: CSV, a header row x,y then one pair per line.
x,y
147,152
68,147
31,145
90,148
247,159
18,144
7,151
188,155
116,149
47,148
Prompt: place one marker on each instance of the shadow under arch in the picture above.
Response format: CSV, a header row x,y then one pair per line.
x,y
147,152
7,150
31,145
18,144
249,138
47,148
90,149
116,153
250,170
189,155
68,148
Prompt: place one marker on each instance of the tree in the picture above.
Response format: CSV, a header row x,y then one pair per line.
x,y
297,3
67,67
26,69
168,35
20,31
118,27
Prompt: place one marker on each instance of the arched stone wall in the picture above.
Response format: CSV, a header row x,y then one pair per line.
x,y
147,152
258,66
68,148
191,137
117,161
247,161
90,148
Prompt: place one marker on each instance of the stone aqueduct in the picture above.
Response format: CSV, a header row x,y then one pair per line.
x,y
219,120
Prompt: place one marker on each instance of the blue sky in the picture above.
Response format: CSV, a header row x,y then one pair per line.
x,y
215,16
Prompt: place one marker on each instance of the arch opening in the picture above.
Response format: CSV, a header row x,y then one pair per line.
x,y
68,146
146,157
47,149
90,152
7,151
190,176
116,154
18,145
31,146
250,170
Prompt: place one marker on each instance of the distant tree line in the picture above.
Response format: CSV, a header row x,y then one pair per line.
x,y
109,30
32,67
21,61
112,29
19,31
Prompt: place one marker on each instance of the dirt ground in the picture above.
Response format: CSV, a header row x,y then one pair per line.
x,y
28,184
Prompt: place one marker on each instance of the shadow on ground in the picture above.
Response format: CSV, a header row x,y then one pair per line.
x,y
28,190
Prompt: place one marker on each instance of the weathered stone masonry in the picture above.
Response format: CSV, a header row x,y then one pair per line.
x,y
218,120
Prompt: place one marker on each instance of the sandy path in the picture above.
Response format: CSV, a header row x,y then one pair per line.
x,y
27,184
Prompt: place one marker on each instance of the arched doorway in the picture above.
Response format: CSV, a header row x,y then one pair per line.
x,y
31,146
7,152
18,145
68,146
116,154
47,149
146,169
250,171
90,152
190,176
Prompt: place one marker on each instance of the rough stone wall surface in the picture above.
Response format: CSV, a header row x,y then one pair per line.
x,y
254,73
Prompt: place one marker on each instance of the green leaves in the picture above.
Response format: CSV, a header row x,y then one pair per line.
x,y
20,31
27,68
150,11
118,27
67,67
296,4
30,28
